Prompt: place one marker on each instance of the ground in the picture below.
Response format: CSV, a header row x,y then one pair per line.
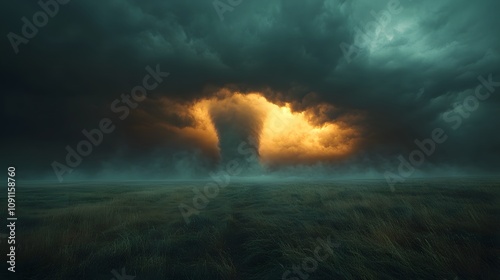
x,y
426,229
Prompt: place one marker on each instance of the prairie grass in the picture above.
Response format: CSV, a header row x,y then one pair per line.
x,y
428,229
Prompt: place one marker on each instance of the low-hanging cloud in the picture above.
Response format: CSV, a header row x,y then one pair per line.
x,y
289,51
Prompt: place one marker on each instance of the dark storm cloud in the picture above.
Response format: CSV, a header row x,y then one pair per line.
x,y
420,64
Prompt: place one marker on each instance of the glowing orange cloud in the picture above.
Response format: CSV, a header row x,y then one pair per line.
x,y
293,137
284,136
175,124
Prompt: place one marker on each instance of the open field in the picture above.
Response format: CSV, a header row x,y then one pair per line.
x,y
427,229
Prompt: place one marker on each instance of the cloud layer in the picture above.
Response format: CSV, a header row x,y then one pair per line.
x,y
406,72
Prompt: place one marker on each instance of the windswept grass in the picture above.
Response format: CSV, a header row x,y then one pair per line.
x,y
425,230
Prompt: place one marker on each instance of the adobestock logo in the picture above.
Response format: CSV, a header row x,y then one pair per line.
x,y
94,137
221,180
30,28
310,264
428,146
221,8
365,37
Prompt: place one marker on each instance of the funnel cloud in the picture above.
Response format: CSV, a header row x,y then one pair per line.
x,y
323,88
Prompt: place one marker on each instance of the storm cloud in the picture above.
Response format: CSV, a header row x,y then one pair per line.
x,y
396,70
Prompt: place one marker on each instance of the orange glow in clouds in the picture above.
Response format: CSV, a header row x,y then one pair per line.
x,y
284,136
293,137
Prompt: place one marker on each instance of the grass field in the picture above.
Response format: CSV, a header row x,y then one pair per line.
x,y
429,229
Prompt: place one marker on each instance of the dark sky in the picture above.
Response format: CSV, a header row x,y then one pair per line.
x,y
411,65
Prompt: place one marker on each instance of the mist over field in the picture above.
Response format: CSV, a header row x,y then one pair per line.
x,y
264,229
250,139
341,86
